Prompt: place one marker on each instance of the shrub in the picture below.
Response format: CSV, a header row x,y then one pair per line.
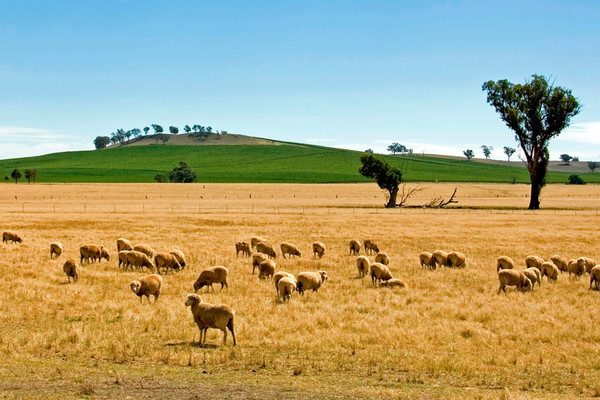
x,y
575,180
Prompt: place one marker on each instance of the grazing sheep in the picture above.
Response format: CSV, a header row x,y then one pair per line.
x,y
257,258
310,281
595,277
561,262
123,258
550,271
144,248
267,249
382,258
534,276
138,260
318,249
588,263
147,286
394,282
354,247
285,287
166,262
212,275
439,259
504,262
534,262
71,270
9,236
242,247
370,247
290,249
456,260
90,253
379,273
281,274
362,264
426,260
123,244
206,315
576,267
256,240
179,256
266,269
513,277
56,249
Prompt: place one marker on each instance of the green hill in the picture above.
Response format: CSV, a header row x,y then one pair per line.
x,y
286,162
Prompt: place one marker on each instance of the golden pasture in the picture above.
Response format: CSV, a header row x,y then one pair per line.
x,y
449,335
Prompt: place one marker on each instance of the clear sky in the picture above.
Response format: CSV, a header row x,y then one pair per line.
x,y
351,74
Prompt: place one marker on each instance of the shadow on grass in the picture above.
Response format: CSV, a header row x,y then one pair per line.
x,y
193,344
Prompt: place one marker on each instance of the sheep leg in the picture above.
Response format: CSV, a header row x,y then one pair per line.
x,y
224,337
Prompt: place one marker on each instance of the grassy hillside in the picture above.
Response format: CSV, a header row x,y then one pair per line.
x,y
255,163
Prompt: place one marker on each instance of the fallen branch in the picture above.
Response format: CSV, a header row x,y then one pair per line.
x,y
439,202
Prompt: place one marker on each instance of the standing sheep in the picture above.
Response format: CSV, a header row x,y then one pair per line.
x,y
123,259
588,263
123,244
382,258
370,247
354,247
379,273
71,270
281,274
138,260
267,249
206,315
8,236
595,277
362,264
257,258
148,285
144,248
266,269
394,282
439,258
166,262
242,247
561,262
534,276
550,271
56,249
207,277
534,262
90,253
180,258
318,249
291,249
256,240
310,281
426,260
513,277
285,287
576,267
504,262
456,260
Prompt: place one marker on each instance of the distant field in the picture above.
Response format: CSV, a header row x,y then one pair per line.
x,y
256,164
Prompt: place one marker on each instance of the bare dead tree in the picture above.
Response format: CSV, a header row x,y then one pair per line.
x,y
439,202
406,193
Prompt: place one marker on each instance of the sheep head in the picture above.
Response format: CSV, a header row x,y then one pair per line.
x,y
135,286
323,275
192,299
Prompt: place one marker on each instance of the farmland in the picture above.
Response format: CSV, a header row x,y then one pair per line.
x,y
449,335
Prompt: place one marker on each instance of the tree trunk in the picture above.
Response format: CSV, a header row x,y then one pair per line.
x,y
393,195
538,179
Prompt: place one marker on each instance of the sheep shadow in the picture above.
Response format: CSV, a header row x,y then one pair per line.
x,y
192,344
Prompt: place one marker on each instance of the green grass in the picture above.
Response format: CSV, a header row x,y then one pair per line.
x,y
286,163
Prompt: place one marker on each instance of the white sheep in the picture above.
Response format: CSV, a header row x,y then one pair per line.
x,y
534,262
370,247
207,277
513,277
281,274
318,249
354,247
534,276
144,248
382,258
257,258
8,236
310,281
266,269
123,244
266,248
206,315
56,249
589,263
456,260
379,273
148,285
440,258
394,282
256,240
166,262
71,269
362,264
549,270
290,249
426,260
576,267
561,262
504,262
242,247
285,287
179,256
595,277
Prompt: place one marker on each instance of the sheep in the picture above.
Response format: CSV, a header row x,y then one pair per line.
x,y
362,264
561,262
534,262
179,256
504,262
370,247
549,270
267,249
281,274
382,258
426,260
456,260
166,262
394,282
56,249
534,276
91,253
147,286
207,277
266,269
256,240
9,236
439,258
595,277
285,287
290,249
588,263
71,269
144,248
242,247
318,249
139,260
354,247
206,315
379,273
123,258
576,267
123,244
513,277
310,281
257,258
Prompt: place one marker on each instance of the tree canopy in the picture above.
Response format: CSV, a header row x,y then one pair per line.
x,y
183,173
387,176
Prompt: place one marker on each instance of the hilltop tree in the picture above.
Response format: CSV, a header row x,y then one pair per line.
x,y
174,130
536,112
387,176
146,129
183,173
157,129
509,151
469,154
30,175
208,129
592,165
369,151
16,175
487,150
101,142
566,159
397,148
187,129
136,132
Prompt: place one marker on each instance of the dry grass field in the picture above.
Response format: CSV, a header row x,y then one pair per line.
x,y
449,335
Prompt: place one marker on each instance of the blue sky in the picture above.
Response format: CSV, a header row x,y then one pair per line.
x,y
351,74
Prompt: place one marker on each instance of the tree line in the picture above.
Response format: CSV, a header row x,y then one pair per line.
x,y
30,175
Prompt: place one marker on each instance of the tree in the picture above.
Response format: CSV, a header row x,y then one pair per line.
x,y
16,175
592,165
187,129
101,142
566,159
575,180
536,112
157,129
509,151
369,151
160,178
146,129
174,130
30,175
469,154
136,132
163,138
6,178
208,129
487,150
183,173
387,176
128,134
397,148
